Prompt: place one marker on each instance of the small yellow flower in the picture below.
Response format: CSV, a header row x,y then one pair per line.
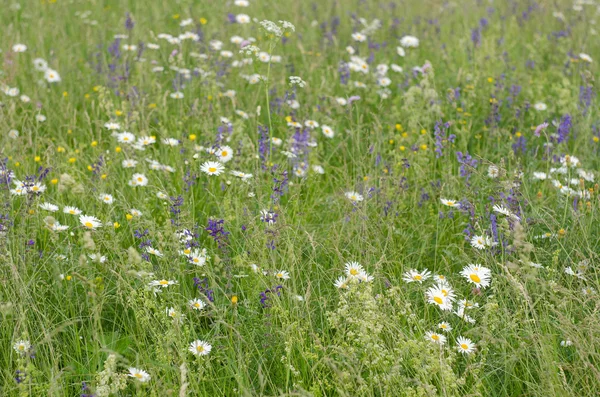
x,y
94,143
31,212
596,139
459,110
87,96
103,176
69,131
203,21
402,148
129,217
518,134
234,299
399,127
490,80
118,112
72,160
118,149
176,16
60,149
209,97
152,105
423,132
288,119
562,232
96,88
365,178
68,278
65,94
89,167
116,225
404,134
17,164
391,141
192,137
54,181
423,147
37,159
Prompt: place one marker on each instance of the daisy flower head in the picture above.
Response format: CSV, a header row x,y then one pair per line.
x,y
200,348
139,180
465,345
197,304
106,198
224,154
409,42
112,126
22,346
19,48
479,275
354,196
414,275
311,124
341,282
154,251
364,277
435,337
129,163
197,257
162,283
49,207
353,269
212,168
242,18
282,274
359,37
90,222
71,210
52,76
444,326
585,57
540,106
176,95
40,64
327,131
481,242
436,296
139,374
450,203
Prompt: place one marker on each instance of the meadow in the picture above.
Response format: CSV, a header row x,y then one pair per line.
x,y
299,198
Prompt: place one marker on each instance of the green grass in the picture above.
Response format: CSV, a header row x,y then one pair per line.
x,y
90,320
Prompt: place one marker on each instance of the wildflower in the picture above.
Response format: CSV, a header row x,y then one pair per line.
x,y
212,168
89,222
106,198
139,180
40,64
341,282
585,57
129,163
504,211
176,95
465,345
224,153
162,283
353,269
154,251
566,343
51,76
414,275
540,106
295,80
112,126
479,242
49,207
19,48
450,203
200,348
282,274
436,296
354,196
139,374
493,171
409,42
359,37
197,257
478,275
242,18
444,326
435,338
22,346
197,304
126,137
327,131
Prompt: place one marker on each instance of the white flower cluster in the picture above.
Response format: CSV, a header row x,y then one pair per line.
x,y
250,50
295,80
272,27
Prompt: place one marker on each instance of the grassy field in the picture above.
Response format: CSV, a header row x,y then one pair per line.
x,y
376,198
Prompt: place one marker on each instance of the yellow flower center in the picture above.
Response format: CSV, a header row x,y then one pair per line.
x,y
196,260
475,278
212,169
438,300
35,188
435,337
21,347
72,212
353,272
140,179
163,282
89,224
224,153
464,346
138,375
196,304
200,348
417,277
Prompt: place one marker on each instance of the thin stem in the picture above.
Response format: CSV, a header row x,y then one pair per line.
x,y
268,102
